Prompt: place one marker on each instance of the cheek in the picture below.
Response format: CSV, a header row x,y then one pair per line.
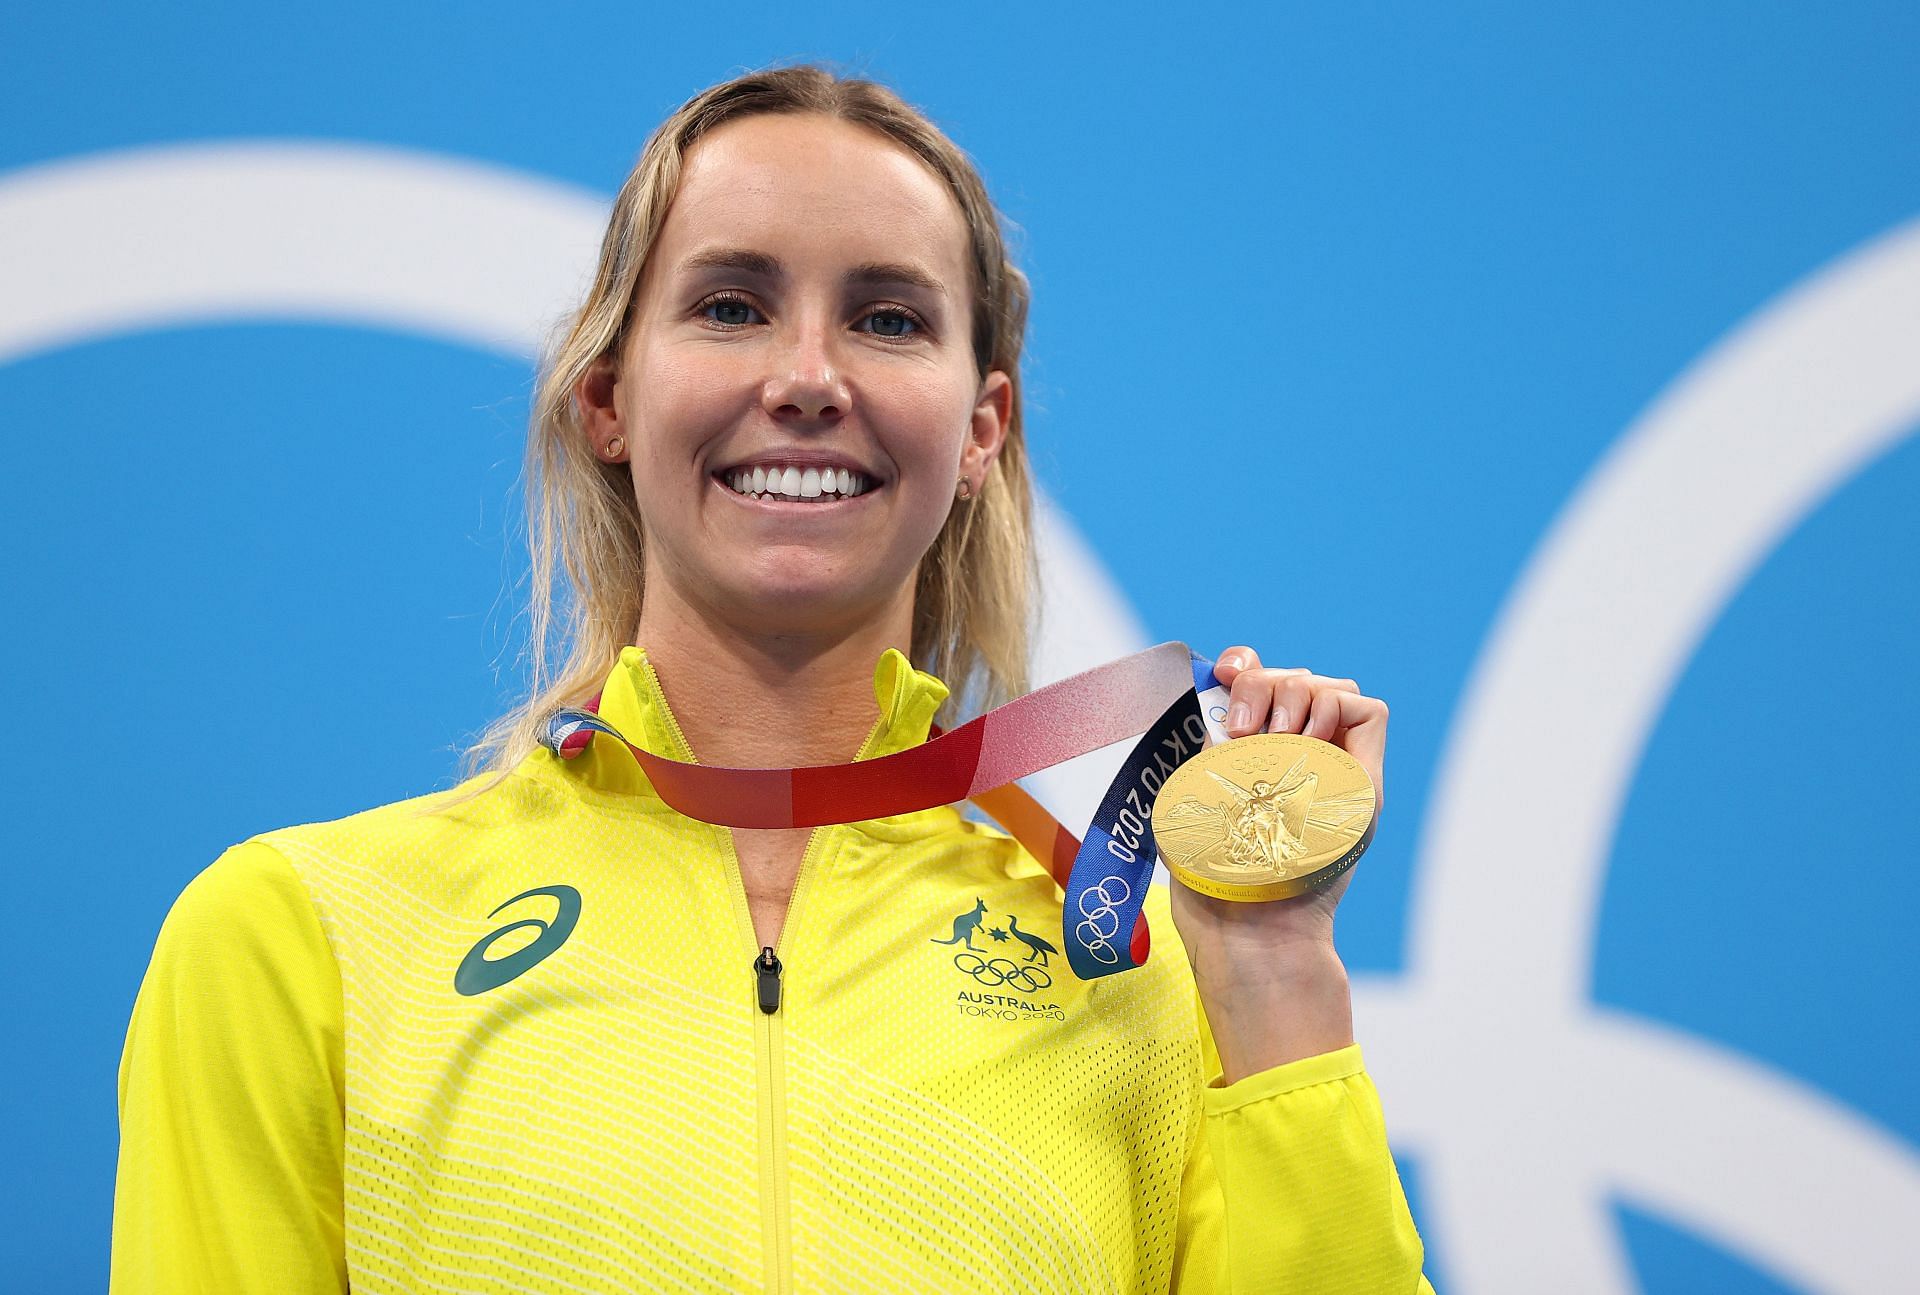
x,y
926,500
929,421
674,403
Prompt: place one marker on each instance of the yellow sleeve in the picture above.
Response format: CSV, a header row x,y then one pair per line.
x,y
232,1097
1289,1186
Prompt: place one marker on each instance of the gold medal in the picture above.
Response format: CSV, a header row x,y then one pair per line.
x,y
1266,816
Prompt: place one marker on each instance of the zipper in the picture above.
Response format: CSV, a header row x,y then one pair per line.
x,y
666,711
769,1026
769,991
775,1215
766,971
769,1035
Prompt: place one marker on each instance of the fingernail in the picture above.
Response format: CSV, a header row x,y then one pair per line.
x,y
1281,724
1239,716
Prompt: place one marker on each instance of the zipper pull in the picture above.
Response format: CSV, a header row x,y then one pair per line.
x,y
766,969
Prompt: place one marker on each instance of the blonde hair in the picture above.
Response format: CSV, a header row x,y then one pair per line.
x,y
973,594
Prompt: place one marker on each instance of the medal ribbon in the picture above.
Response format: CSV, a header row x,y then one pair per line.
x,y
1167,696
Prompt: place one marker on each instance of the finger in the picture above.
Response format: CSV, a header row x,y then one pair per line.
x,y
1361,731
1254,690
1290,710
1292,695
1335,712
1323,714
1234,660
1248,701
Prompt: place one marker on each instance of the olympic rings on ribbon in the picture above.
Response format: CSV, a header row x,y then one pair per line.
x,y
1005,972
1101,923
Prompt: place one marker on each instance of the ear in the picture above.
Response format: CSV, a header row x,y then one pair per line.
x,y
599,414
987,429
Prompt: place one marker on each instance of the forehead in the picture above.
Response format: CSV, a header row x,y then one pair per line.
x,y
812,190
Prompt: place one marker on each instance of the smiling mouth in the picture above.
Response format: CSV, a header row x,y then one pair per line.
x,y
811,485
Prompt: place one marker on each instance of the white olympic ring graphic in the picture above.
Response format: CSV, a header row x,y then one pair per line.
x,y
1094,929
1632,573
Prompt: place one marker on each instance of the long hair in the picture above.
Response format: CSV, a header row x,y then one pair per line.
x,y
973,593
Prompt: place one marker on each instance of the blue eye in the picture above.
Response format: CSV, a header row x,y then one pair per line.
x,y
902,325
895,312
728,301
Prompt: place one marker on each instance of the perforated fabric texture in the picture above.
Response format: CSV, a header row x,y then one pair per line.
x,y
592,1100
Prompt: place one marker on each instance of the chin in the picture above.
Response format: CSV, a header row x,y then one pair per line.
x,y
800,602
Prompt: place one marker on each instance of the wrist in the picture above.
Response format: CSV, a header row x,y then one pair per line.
x,y
1287,966
1292,1003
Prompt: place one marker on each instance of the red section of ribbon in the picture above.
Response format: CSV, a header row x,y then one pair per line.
x,y
810,797
940,773
739,797
1081,713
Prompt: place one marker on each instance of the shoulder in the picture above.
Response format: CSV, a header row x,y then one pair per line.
x,y
259,899
244,905
433,822
241,950
248,881
241,1005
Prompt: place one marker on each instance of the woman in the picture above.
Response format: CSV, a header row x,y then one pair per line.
x,y
543,1032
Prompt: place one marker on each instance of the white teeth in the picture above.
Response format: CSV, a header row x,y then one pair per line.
x,y
797,483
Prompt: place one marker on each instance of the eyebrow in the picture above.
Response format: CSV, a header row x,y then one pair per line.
x,y
868,273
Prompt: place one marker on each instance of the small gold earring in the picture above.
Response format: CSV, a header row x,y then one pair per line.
x,y
616,445
964,490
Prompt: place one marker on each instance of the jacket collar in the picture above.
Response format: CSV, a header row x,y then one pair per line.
x,y
633,702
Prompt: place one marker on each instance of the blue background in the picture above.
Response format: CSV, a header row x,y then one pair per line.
x,y
1397,276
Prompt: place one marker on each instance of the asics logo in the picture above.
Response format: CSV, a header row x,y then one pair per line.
x,y
477,974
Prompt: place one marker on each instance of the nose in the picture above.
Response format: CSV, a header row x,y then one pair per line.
x,y
805,383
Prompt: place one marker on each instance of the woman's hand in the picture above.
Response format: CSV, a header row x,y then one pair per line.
x,y
1273,987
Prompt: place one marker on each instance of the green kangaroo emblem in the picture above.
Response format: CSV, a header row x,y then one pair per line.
x,y
966,924
478,974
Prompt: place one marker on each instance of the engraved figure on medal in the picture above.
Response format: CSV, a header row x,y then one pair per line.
x,y
1229,818
1270,828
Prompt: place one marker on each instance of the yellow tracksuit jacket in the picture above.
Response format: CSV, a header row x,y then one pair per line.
x,y
519,1044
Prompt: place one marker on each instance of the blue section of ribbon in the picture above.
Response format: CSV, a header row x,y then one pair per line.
x,y
1108,882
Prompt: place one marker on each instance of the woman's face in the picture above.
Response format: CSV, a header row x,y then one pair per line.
x,y
804,320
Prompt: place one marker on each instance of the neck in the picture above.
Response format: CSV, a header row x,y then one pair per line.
x,y
753,698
